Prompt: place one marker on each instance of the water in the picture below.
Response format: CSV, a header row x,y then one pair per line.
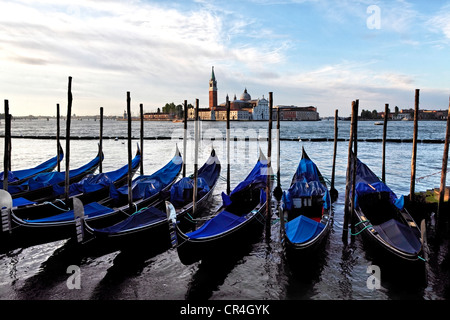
x,y
257,272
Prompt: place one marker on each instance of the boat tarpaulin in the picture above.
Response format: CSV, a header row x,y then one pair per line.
x,y
147,185
301,189
303,229
141,218
306,171
257,177
222,222
92,209
51,178
92,182
400,236
17,175
20,201
367,182
182,191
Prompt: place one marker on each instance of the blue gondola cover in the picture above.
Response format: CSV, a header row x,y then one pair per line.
x,y
303,229
17,175
181,192
148,185
222,222
141,218
90,210
367,182
50,178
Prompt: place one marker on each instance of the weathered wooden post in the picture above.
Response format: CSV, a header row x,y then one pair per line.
x,y
185,137
58,150
141,111
444,167
269,175
355,162
228,146
68,120
414,151
278,150
196,134
100,167
348,177
6,156
333,192
130,195
383,166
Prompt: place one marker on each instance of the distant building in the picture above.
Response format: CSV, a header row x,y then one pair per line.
x,y
158,116
246,108
294,113
408,114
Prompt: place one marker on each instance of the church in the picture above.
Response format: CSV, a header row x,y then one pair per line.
x,y
244,108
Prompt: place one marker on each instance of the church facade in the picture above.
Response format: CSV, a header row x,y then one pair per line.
x,y
245,108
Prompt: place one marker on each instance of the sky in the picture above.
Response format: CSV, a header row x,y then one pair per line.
x,y
307,52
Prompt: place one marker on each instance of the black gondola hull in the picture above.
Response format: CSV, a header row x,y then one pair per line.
x,y
215,247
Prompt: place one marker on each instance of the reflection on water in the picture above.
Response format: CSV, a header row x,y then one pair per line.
x,y
258,271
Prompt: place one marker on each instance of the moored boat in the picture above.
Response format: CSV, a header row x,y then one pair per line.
x,y
383,220
61,225
240,219
150,222
17,177
306,217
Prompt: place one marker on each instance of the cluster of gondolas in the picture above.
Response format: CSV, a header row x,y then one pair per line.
x,y
164,210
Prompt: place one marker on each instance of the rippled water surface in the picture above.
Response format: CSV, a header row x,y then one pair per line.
x,y
257,271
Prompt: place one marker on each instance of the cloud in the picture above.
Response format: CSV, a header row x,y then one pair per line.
x,y
440,22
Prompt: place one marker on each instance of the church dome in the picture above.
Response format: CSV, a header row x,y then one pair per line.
x,y
245,96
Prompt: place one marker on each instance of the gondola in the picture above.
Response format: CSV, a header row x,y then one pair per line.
x,y
383,220
240,219
25,229
93,187
17,177
41,186
150,222
306,216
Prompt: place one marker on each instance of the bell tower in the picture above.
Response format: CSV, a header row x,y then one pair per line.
x,y
212,91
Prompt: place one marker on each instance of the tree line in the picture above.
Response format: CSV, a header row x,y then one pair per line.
x,y
367,114
173,109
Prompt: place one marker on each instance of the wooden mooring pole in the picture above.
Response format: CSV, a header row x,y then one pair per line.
x,y
444,168
354,166
58,150
141,111
6,155
269,171
333,192
185,137
68,120
196,138
130,196
100,167
348,177
383,166
414,150
228,146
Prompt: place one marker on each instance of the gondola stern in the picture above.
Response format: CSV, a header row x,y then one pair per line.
x,y
172,220
6,204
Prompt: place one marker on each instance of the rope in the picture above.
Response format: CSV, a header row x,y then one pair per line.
x,y
366,227
427,176
59,200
